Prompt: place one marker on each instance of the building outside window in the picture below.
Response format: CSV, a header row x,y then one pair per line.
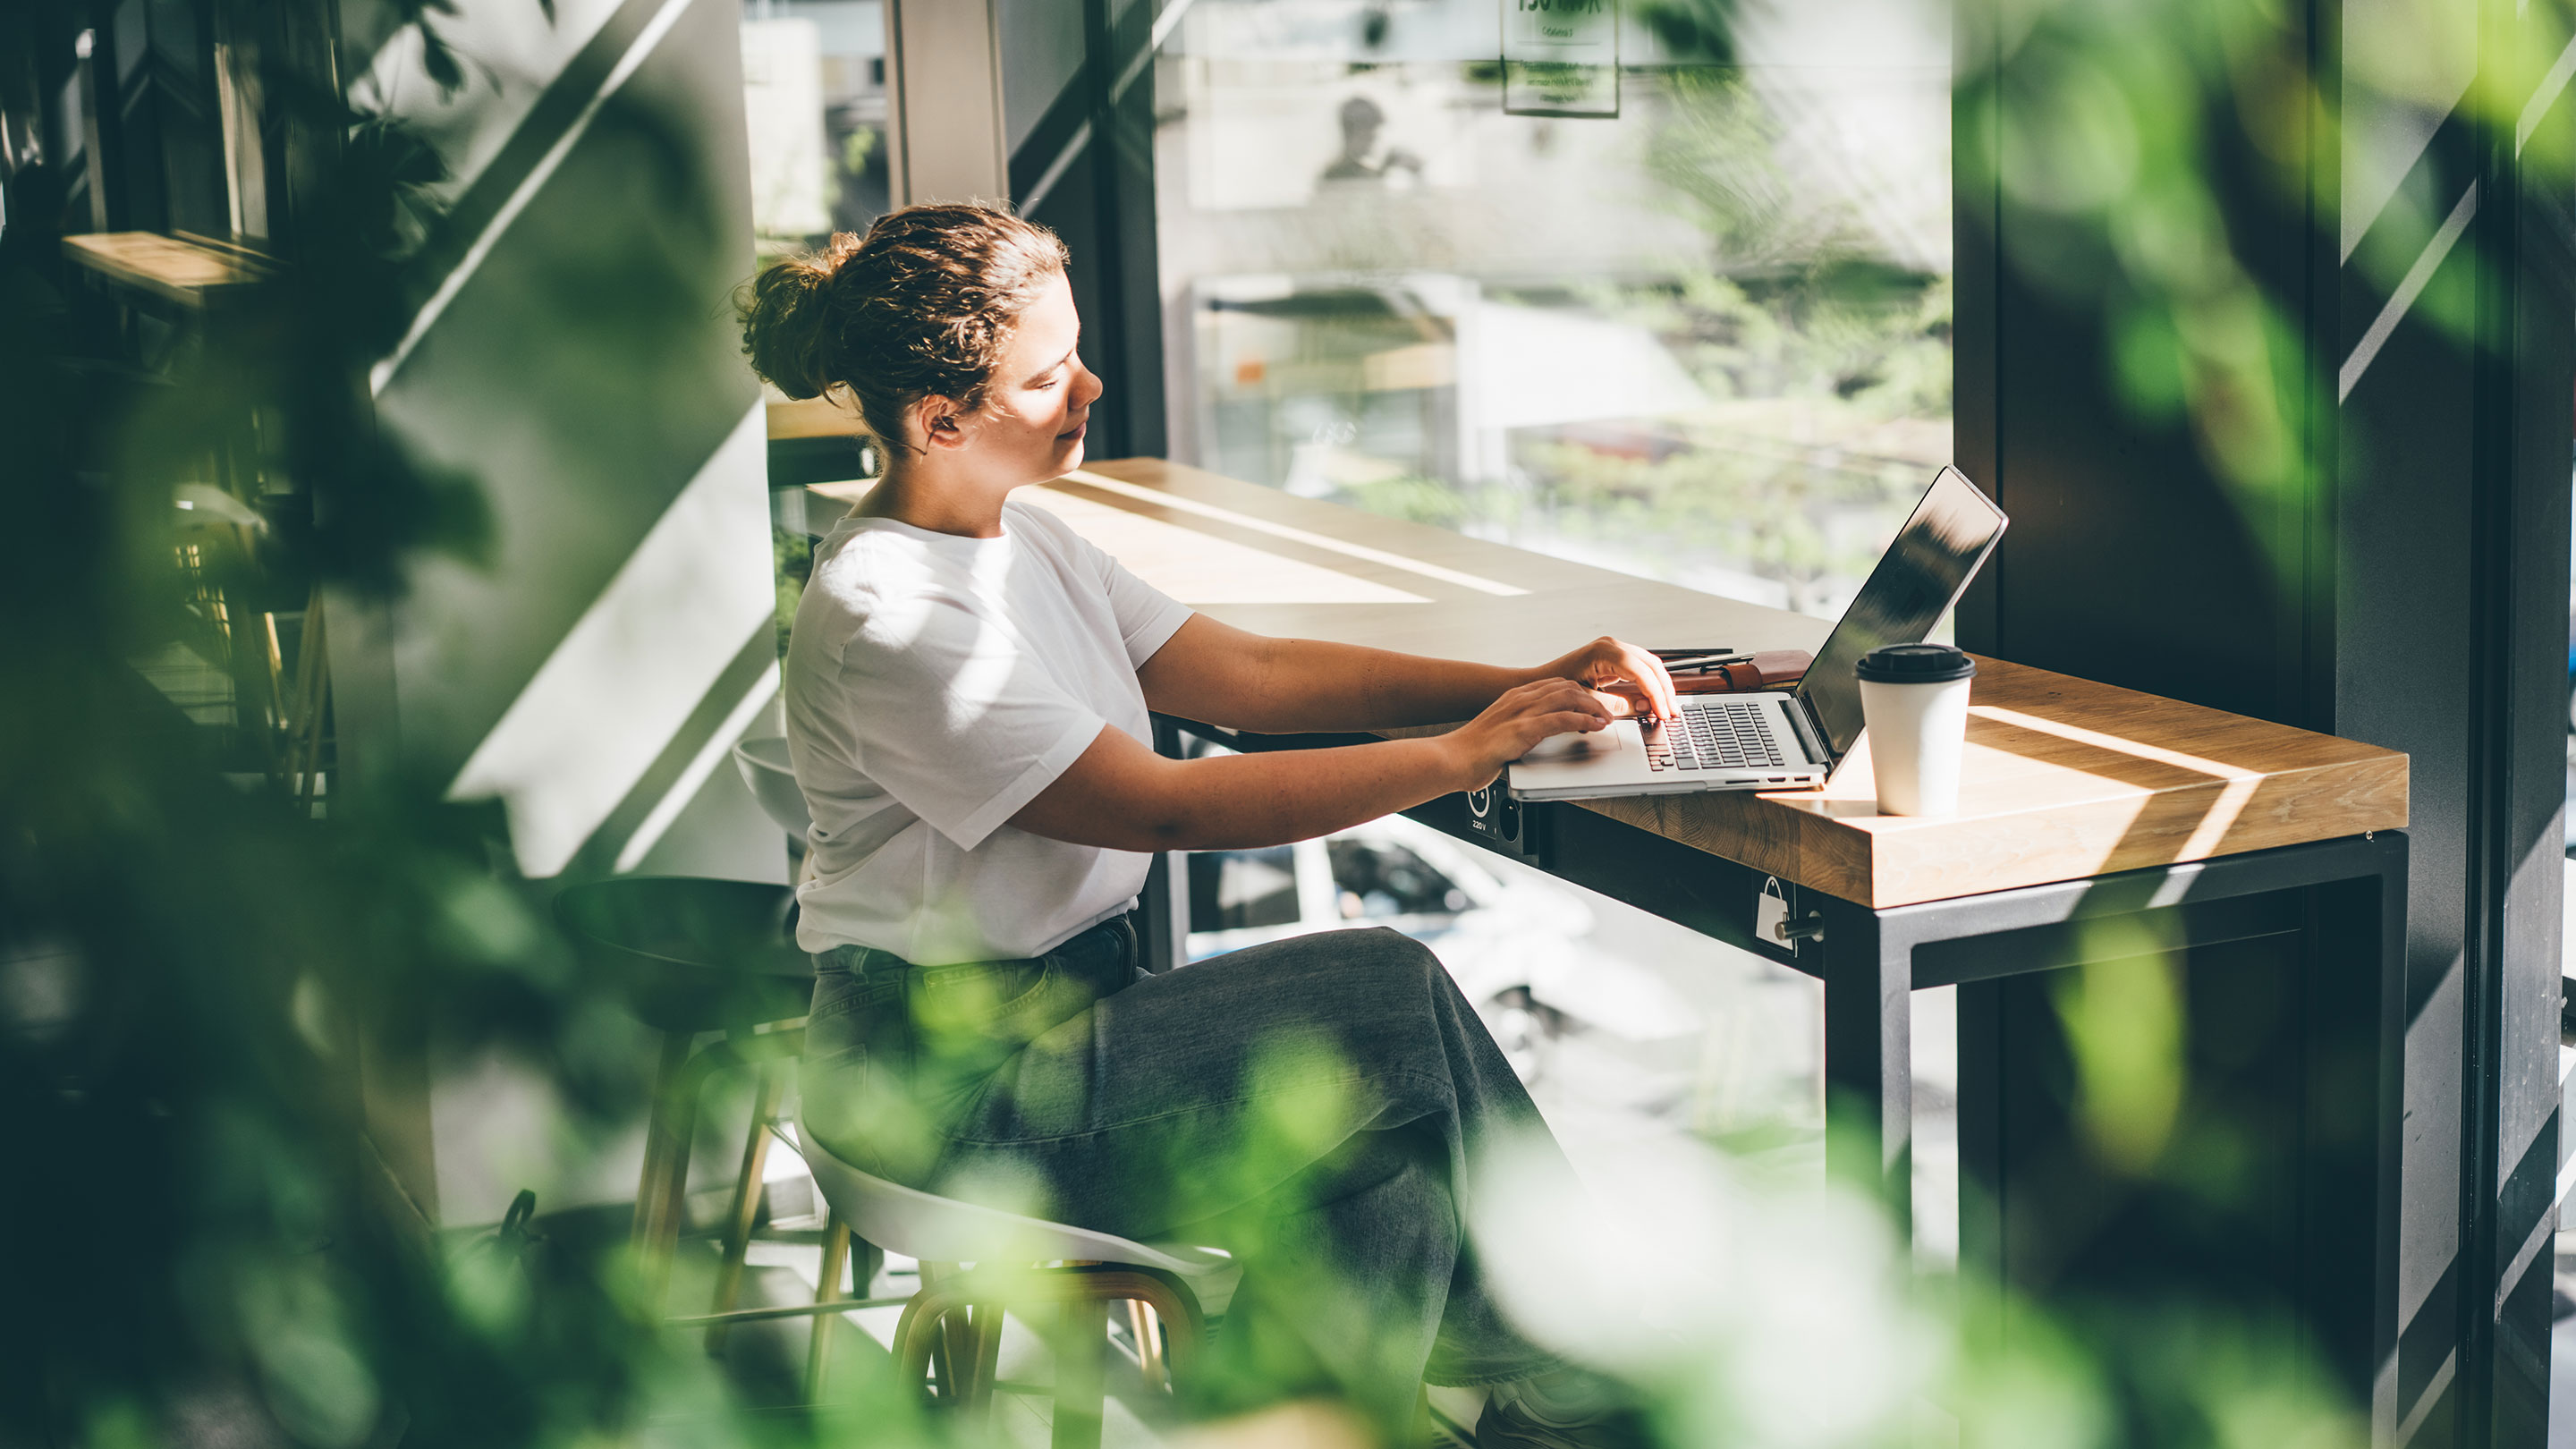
x,y
1704,340
814,98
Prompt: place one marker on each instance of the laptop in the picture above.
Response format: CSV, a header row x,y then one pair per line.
x,y
1784,741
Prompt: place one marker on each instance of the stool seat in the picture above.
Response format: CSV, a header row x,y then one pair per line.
x,y
765,769
692,954
937,1229
1059,1278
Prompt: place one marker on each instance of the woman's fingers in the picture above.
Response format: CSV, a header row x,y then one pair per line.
x,y
1641,668
1590,708
1567,723
1531,731
1565,694
1608,663
1522,717
1533,712
1649,673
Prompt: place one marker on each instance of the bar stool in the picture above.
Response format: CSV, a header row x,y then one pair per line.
x,y
951,1330
696,956
772,781
977,1261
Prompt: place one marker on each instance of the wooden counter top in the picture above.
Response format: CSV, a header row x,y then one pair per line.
x,y
2063,778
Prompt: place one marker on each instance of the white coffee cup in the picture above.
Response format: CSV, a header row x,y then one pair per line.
x,y
1914,698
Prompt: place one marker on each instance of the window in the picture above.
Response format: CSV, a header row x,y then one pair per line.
x,y
1234,889
1704,340
1375,881
814,97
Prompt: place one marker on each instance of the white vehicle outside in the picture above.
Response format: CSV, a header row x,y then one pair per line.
x,y
1520,950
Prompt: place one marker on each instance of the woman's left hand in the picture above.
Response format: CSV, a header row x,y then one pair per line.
x,y
1605,664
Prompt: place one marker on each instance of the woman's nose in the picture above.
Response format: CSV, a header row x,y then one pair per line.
x,y
1089,387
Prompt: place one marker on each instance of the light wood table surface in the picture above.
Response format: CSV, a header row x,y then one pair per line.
x,y
2063,779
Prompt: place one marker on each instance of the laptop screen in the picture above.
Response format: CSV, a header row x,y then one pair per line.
x,y
1920,577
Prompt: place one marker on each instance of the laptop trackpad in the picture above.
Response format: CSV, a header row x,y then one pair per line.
x,y
1579,748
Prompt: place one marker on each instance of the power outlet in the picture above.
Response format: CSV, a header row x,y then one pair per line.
x,y
1494,816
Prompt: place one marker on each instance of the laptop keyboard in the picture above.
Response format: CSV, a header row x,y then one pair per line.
x,y
1726,736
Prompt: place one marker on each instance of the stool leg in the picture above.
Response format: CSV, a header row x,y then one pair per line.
x,y
958,1354
644,1239
1148,1328
1079,1387
918,1335
662,1197
679,1131
937,1330
827,1289
746,1200
1170,1306
988,1356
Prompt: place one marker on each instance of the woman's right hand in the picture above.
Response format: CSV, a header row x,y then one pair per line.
x,y
1521,718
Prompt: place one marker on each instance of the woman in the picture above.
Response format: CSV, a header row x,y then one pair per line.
x,y
967,689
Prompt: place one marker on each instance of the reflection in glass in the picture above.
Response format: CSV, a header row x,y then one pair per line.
x,y
1233,890
1376,881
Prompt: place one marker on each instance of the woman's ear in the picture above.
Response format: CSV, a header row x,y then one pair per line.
x,y
940,422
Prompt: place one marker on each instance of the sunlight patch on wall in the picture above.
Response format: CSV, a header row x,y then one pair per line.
x,y
626,678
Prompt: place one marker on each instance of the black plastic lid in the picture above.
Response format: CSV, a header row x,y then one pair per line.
x,y
1916,664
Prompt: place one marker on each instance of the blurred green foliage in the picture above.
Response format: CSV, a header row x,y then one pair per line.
x,y
204,1242
199,981
2124,1020
1416,499
2111,171
792,563
2151,159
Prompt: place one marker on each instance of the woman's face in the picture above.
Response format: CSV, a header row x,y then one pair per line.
x,y
1036,407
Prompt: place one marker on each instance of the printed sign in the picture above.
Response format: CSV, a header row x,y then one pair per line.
x,y
1561,57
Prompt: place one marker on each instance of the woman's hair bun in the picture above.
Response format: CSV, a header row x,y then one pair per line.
x,y
922,306
787,323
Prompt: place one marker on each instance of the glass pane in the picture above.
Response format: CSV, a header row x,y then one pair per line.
x,y
813,74
1233,889
1375,881
1704,340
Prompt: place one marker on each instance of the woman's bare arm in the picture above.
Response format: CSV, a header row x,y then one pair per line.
x,y
1217,674
1123,796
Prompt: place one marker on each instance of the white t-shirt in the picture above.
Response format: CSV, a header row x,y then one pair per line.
x,y
934,686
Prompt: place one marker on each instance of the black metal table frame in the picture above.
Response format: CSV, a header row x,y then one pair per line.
x,y
2345,897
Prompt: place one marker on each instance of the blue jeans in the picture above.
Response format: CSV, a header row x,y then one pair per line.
x,y
1309,1105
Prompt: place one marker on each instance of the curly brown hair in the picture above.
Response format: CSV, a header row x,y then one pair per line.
x,y
922,306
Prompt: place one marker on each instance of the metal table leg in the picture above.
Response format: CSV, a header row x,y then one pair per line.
x,y
1869,1058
